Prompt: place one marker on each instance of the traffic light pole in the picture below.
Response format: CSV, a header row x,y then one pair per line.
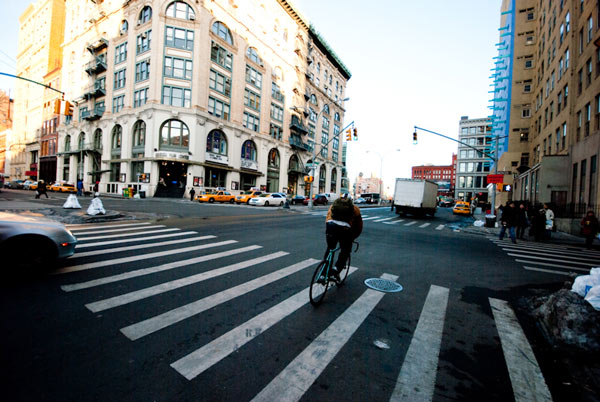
x,y
35,82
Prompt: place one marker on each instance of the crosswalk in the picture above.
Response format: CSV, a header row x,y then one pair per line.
x,y
393,220
115,247
550,258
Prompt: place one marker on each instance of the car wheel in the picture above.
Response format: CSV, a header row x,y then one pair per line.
x,y
231,201
281,203
248,202
211,200
266,203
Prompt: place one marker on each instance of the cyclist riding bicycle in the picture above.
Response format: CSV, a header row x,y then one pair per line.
x,y
343,224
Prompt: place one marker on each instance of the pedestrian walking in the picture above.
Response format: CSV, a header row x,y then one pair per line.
x,y
41,189
549,221
509,221
522,221
192,193
589,228
538,224
79,187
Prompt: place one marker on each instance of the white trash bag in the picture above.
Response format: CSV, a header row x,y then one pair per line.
x,y
593,297
96,207
478,223
584,283
72,202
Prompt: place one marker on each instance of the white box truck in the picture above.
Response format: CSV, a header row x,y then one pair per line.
x,y
416,197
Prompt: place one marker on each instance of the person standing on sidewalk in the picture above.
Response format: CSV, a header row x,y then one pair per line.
x,y
192,193
589,228
522,221
549,221
509,221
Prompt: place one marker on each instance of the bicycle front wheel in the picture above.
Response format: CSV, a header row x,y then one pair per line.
x,y
344,273
318,284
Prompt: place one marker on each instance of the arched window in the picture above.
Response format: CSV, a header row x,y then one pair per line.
x,y
174,134
252,54
222,32
139,134
337,116
322,178
181,10
216,142
318,68
273,161
278,73
145,15
313,99
81,141
117,136
98,139
249,150
333,187
326,109
124,27
67,143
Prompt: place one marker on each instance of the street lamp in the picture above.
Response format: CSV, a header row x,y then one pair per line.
x,y
314,151
381,169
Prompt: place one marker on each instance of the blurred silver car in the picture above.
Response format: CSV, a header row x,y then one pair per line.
x,y
33,243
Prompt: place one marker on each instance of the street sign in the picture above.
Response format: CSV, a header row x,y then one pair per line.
x,y
311,165
495,178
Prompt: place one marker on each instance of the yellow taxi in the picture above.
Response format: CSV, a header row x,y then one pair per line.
x,y
245,197
462,208
63,188
219,196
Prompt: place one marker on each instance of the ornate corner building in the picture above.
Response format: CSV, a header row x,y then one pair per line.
x,y
170,95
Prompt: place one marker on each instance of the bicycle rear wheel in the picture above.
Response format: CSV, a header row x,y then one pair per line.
x,y
344,272
318,284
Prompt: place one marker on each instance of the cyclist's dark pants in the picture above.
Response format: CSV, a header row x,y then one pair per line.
x,y
342,234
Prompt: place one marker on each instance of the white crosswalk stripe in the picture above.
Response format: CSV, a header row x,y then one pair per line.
x,y
384,219
136,239
440,227
126,234
142,246
394,222
410,223
371,218
94,226
424,225
114,230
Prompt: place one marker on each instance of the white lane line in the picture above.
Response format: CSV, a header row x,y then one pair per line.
x,y
95,232
151,325
394,222
525,375
440,227
549,271
384,219
569,257
127,234
545,247
569,261
372,217
130,297
410,223
425,225
549,251
300,374
104,243
92,226
141,246
123,260
554,265
198,361
416,381
155,269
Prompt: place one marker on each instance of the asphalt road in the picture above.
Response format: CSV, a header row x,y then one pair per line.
x,y
208,302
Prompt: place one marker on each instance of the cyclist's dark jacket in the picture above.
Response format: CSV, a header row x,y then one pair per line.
x,y
356,223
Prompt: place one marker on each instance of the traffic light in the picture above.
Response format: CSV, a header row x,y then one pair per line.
x,y
309,179
415,137
68,108
349,135
56,106
355,134
507,187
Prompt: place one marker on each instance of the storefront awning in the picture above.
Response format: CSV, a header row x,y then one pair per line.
x,y
252,172
217,166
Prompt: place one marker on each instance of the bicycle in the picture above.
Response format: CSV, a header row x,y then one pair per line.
x,y
321,279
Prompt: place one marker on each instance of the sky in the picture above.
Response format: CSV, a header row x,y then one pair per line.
x,y
413,63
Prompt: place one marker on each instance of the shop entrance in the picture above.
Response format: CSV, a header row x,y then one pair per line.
x,y
172,177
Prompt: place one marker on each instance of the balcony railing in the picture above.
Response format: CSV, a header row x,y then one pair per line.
x,y
98,45
297,126
95,91
91,115
96,66
297,143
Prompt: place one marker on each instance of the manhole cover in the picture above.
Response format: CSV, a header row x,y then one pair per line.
x,y
383,285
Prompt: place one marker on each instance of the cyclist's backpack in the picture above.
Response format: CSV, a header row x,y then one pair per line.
x,y
342,210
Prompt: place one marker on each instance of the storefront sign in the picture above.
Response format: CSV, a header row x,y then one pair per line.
x,y
216,158
249,164
495,178
171,155
234,185
198,181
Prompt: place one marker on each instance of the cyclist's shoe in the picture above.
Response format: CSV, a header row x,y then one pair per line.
x,y
322,280
334,274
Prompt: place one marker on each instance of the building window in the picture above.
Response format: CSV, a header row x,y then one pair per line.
x,y
590,32
140,97
253,77
142,70
527,88
249,150
251,99
564,136
216,142
145,15
139,134
121,53
143,42
178,68
117,136
251,122
276,93
179,38
174,96
221,30
220,83
588,118
526,113
174,134
221,56
179,9
119,81
218,108
589,73
276,132
276,112
253,56
118,103
124,27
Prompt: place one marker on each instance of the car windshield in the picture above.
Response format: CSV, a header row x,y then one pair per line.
x,y
264,195
247,192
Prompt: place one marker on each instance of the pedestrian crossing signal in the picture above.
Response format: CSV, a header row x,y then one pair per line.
x,y
349,135
415,137
507,187
355,134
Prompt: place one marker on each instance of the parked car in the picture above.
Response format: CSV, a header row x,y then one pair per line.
x,y
360,200
31,243
298,199
63,188
446,202
461,208
219,196
28,183
16,184
319,199
267,199
245,197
